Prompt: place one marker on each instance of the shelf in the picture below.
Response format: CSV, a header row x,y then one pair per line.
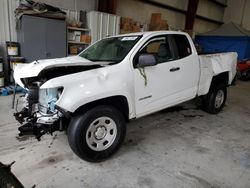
x,y
78,29
74,42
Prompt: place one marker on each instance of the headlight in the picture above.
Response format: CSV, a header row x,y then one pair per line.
x,y
48,98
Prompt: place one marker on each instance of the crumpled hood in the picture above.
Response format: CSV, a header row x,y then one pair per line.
x,y
34,68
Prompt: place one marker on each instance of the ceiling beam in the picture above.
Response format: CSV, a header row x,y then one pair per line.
x,y
219,3
191,14
154,3
108,6
181,11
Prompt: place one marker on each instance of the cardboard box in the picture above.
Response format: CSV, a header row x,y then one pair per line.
x,y
126,27
86,39
155,18
73,49
126,20
123,32
162,25
136,28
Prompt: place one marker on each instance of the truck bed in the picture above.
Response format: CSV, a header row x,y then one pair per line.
x,y
214,64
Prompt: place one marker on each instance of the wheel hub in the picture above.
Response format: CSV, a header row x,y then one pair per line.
x,y
100,132
219,98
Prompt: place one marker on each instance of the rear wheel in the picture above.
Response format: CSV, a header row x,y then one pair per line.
x,y
97,134
215,100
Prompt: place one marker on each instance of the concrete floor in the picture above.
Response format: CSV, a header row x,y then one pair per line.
x,y
181,147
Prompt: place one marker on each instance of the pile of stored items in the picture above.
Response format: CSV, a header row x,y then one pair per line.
x,y
157,23
30,7
128,25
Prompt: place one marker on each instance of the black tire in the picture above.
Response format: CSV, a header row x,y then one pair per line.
x,y
209,101
79,126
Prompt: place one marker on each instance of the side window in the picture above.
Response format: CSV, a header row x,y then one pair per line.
x,y
159,47
182,45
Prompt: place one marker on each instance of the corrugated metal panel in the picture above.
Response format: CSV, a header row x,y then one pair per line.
x,y
7,20
102,25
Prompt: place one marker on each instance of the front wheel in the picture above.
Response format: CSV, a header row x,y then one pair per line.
x,y
97,134
215,100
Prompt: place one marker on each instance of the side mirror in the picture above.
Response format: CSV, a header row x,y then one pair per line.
x,y
146,60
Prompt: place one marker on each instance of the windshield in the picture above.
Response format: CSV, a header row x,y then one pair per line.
x,y
110,49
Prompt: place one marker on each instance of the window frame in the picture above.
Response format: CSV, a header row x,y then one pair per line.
x,y
174,43
166,36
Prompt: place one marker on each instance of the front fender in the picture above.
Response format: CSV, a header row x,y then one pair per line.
x,y
85,87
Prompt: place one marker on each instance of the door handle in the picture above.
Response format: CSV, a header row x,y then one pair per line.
x,y
174,69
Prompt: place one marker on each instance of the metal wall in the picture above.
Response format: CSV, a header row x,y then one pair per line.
x,y
141,11
7,29
7,20
102,25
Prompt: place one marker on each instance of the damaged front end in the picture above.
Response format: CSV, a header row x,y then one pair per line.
x,y
40,115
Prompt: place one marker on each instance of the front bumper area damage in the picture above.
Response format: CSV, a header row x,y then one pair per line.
x,y
38,125
39,114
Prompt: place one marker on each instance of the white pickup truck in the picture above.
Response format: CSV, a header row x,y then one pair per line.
x,y
117,79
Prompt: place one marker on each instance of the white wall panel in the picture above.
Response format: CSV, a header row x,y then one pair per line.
x,y
7,20
102,25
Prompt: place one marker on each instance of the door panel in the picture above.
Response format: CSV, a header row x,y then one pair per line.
x,y
172,81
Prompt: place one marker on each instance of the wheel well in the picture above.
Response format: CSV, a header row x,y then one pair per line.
x,y
221,78
119,102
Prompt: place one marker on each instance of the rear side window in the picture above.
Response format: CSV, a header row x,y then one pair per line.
x,y
182,45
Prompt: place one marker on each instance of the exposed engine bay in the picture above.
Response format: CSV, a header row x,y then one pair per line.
x,y
39,114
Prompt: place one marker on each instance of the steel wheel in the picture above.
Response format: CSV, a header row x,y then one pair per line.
x,y
219,99
215,100
101,133
97,134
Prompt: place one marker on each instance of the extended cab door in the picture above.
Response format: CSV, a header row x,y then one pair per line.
x,y
173,80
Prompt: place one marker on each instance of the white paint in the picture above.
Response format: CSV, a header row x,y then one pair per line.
x,y
215,64
167,89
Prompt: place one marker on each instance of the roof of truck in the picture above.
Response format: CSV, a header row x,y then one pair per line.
x,y
147,33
